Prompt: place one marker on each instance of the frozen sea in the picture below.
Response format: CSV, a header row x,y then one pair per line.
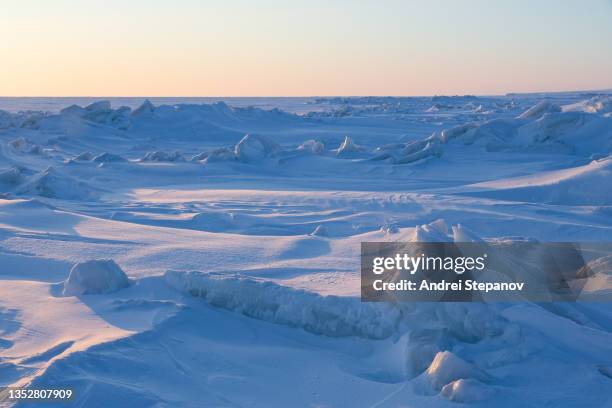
x,y
162,252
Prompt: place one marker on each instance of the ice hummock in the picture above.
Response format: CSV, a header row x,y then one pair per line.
x,y
94,277
253,148
447,367
283,305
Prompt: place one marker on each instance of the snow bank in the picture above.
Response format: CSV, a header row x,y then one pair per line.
x,y
349,148
446,367
436,231
582,185
253,148
431,149
312,146
469,390
409,152
250,149
328,315
461,130
53,184
95,277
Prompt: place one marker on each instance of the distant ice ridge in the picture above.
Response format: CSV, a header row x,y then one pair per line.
x,y
545,127
585,129
100,112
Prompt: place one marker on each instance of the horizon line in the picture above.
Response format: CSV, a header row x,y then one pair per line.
x,y
601,90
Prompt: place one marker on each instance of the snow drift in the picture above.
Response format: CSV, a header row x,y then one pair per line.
x,y
95,277
329,315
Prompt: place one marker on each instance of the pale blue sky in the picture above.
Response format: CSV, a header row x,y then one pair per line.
x,y
276,48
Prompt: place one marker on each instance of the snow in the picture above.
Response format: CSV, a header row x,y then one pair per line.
x,y
539,110
446,368
349,148
97,276
253,148
237,228
161,156
466,391
271,302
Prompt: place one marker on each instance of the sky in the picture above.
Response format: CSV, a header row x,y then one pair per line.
x,y
303,48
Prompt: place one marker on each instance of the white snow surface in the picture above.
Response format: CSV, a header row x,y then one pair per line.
x,y
162,253
97,276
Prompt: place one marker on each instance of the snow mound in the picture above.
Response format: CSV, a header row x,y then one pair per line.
x,y
312,146
95,277
108,158
469,390
222,154
449,134
539,110
53,184
431,149
436,231
446,367
349,148
253,148
328,315
161,156
414,151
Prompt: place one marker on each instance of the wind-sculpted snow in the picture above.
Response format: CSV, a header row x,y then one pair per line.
x,y
95,277
582,185
330,315
53,183
271,208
